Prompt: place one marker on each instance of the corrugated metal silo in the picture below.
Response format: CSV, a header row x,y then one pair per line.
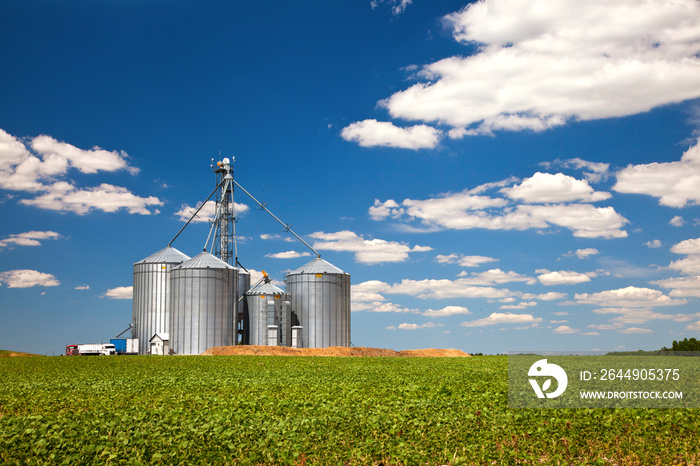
x,y
320,296
151,298
203,304
260,317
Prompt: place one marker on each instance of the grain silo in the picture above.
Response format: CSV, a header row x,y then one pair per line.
x,y
203,304
242,306
320,296
151,298
269,306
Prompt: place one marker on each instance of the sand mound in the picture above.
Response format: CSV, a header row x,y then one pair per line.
x,y
16,354
251,350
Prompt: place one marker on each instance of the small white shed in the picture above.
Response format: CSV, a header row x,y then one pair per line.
x,y
160,344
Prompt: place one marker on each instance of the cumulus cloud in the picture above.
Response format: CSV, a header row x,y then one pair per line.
x,y
630,296
681,287
586,253
497,318
419,326
367,251
689,246
635,330
521,305
62,196
557,188
26,278
82,287
470,209
676,184
207,213
443,288
446,311
29,238
592,171
564,277
384,307
677,221
464,261
495,277
288,255
370,133
566,329
543,62
42,166
120,292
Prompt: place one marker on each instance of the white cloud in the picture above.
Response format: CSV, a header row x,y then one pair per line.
x,y
43,171
208,213
464,261
551,296
288,255
548,188
677,221
367,251
676,184
419,326
369,291
446,311
497,318
681,287
120,292
586,253
29,238
443,288
565,329
521,305
62,196
26,278
385,307
466,210
397,6
688,266
628,297
82,287
635,330
596,171
370,133
695,327
543,62
564,277
494,277
689,246
629,316
653,244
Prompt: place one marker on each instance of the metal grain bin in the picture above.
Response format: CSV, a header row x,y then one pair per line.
x,y
262,314
320,296
203,304
151,298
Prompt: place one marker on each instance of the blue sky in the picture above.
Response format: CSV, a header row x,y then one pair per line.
x,y
495,176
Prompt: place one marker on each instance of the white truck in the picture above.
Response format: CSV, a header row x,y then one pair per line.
x,y
101,349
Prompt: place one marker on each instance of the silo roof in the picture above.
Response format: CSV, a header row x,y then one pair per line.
x,y
205,260
265,288
317,265
168,254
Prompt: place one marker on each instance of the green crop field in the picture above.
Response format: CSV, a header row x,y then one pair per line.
x,y
310,410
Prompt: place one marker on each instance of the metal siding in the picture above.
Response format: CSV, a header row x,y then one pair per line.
x,y
322,305
203,308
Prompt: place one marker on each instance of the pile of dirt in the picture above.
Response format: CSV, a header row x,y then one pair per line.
x,y
251,350
16,354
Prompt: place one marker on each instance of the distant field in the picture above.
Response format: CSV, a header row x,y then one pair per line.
x,y
16,354
306,410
